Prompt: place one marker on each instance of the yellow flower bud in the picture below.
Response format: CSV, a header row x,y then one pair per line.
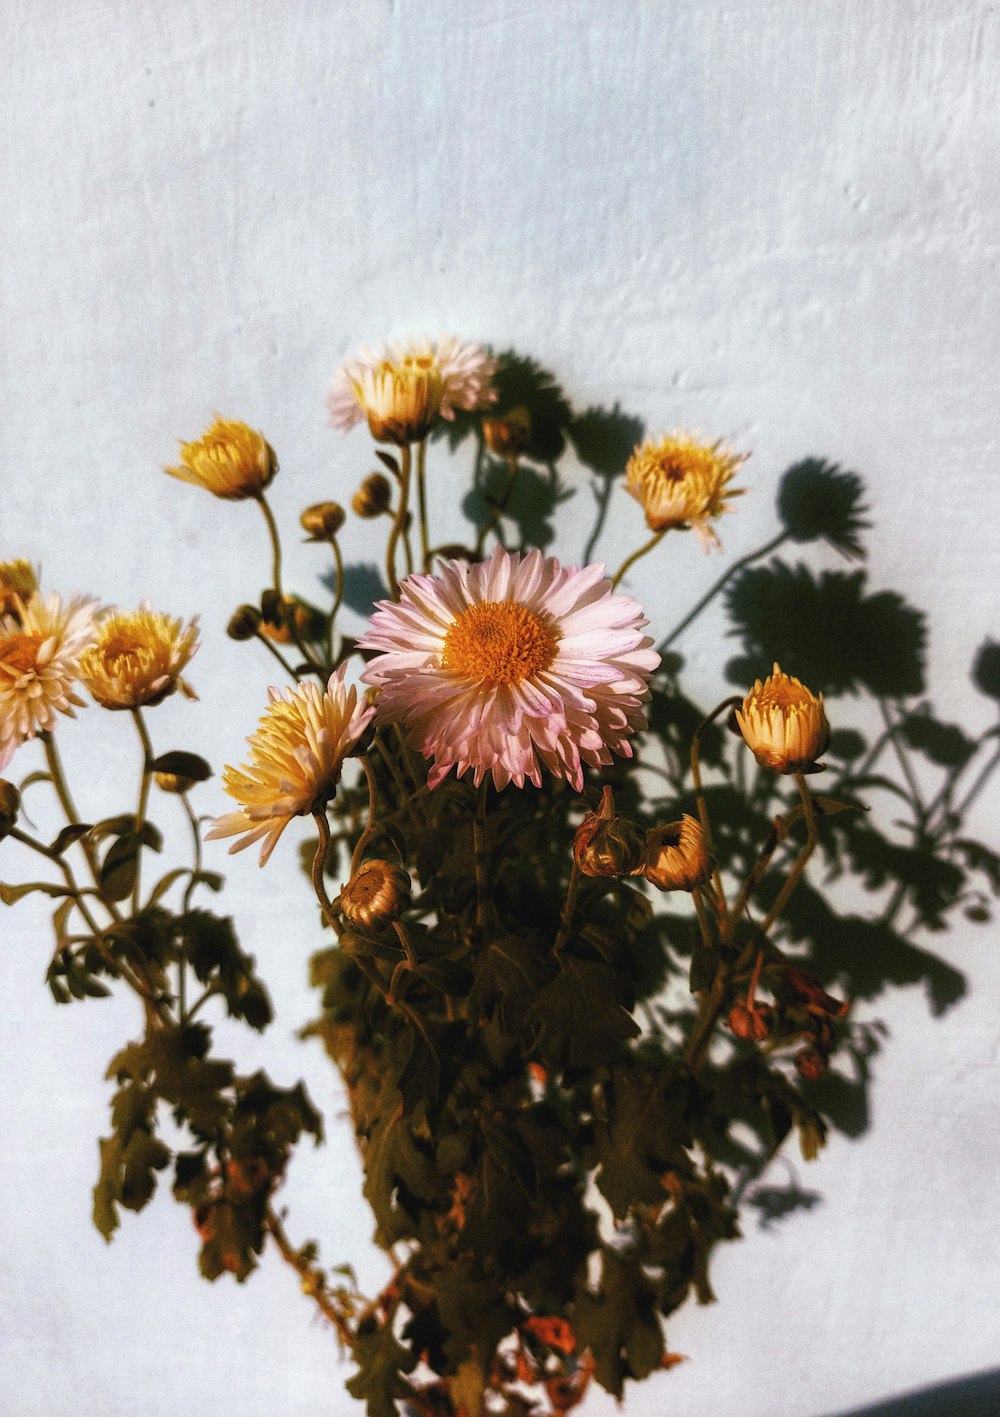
x,y
10,805
677,857
231,461
18,584
373,496
323,520
784,724
376,894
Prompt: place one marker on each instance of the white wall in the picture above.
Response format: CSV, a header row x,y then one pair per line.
x,y
775,221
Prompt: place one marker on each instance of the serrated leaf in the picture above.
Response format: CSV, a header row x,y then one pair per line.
x,y
381,1361
620,1324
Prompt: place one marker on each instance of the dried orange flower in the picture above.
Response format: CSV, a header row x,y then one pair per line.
x,y
376,894
677,856
681,482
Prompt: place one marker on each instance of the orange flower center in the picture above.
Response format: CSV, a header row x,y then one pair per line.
x,y
119,645
500,642
21,653
782,694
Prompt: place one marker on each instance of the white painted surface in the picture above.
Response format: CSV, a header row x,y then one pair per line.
x,y
775,221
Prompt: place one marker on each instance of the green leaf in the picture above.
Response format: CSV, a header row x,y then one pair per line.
x,y
118,870
447,975
381,1361
620,1324
579,1016
643,1133
68,835
704,963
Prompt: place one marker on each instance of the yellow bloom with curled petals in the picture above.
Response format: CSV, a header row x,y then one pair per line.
x,y
231,461
18,583
784,724
296,757
137,658
681,483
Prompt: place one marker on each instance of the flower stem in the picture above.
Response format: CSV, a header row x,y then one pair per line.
x,y
400,521
144,785
425,555
479,852
700,795
312,1278
289,616
499,506
318,862
338,596
371,825
569,906
654,540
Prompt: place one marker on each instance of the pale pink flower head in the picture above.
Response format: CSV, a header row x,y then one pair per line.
x,y
402,388
510,666
40,648
296,758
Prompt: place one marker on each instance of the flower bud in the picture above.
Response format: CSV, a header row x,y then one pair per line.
x,y
244,623
754,1024
606,844
174,782
373,496
10,804
322,520
677,857
231,461
784,724
285,619
376,895
508,434
18,584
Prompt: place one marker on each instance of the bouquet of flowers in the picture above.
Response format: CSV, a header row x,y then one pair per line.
x,y
572,973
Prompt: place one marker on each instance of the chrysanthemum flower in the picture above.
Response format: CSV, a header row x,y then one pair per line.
x,y
230,461
784,724
677,856
18,583
510,666
137,658
683,483
40,648
296,756
401,389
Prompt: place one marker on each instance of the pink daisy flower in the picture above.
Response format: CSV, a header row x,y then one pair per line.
x,y
457,373
511,666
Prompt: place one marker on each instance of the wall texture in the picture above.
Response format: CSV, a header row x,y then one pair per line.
x,y
772,221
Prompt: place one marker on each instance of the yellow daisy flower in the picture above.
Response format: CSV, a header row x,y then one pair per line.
x,y
231,461
681,482
137,658
784,724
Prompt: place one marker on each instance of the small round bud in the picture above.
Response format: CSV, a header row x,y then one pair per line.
x,y
323,520
376,895
244,623
290,618
677,857
811,1064
10,804
753,1024
174,782
508,434
784,724
373,496
606,844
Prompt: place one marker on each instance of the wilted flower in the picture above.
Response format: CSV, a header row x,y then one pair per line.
x,y
401,389
784,724
376,894
40,649
511,665
752,1023
230,461
136,658
607,844
296,757
681,482
677,857
18,584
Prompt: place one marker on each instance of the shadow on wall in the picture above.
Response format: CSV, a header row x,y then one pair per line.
x,y
909,782
977,1396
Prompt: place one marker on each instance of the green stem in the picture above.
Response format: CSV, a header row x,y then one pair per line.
x,y
54,762
425,554
371,826
643,550
479,853
273,649
569,906
338,596
400,520
311,1278
700,795
289,617
723,580
144,785
319,860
